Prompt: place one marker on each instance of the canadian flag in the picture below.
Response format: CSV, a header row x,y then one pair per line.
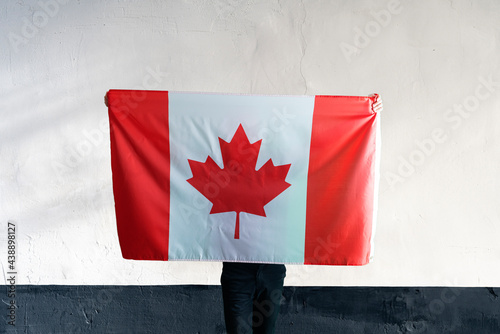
x,y
247,178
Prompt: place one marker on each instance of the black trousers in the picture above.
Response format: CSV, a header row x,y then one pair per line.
x,y
251,293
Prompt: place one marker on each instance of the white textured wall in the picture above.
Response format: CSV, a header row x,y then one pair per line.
x,y
435,63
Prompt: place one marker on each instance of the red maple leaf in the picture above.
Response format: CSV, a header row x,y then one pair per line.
x,y
238,186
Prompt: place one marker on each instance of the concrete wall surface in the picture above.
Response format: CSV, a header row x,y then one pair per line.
x,y
180,309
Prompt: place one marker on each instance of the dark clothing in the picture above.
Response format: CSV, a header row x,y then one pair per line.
x,y
251,293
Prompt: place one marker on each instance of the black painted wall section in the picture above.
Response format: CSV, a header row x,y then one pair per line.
x,y
198,309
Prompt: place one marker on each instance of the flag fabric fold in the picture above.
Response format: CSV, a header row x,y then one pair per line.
x,y
247,178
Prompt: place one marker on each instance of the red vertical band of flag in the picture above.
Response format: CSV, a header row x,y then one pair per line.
x,y
341,179
140,161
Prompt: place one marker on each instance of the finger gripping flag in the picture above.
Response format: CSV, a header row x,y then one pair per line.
x,y
275,179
